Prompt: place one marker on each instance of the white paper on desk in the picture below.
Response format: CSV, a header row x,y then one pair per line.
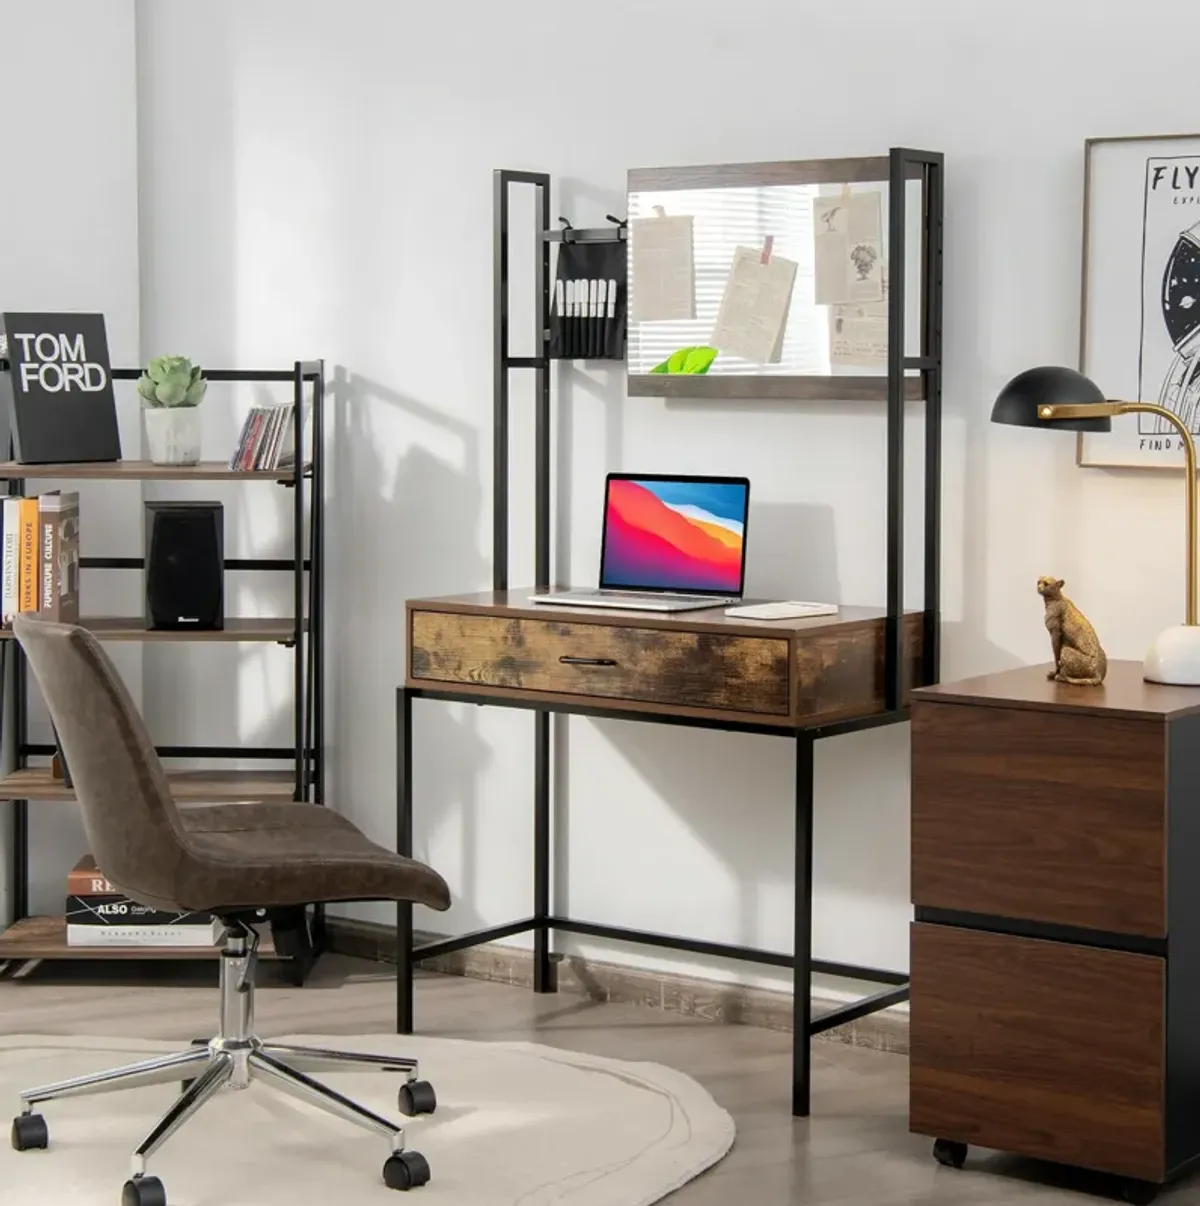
x,y
858,332
754,307
847,248
663,266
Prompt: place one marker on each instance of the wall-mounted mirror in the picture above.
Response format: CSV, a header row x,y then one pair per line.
x,y
815,230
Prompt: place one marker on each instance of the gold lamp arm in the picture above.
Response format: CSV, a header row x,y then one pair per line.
x,y
1101,410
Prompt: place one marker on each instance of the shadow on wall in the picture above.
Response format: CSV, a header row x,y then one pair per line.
x,y
418,519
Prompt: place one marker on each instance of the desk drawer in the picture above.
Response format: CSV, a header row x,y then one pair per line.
x,y
1041,816
1045,1049
650,665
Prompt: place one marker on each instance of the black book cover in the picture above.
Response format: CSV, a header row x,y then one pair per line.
x,y
58,390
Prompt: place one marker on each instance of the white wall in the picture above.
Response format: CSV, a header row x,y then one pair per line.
x,y
319,181
68,241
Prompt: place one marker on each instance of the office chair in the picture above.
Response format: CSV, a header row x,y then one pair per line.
x,y
249,864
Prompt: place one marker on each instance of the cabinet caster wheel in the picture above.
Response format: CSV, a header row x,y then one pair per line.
x,y
404,1170
417,1097
950,1152
144,1191
1140,1193
29,1131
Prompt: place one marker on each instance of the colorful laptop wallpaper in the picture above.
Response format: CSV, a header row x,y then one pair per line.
x,y
674,535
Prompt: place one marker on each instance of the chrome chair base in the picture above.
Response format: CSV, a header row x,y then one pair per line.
x,y
232,1061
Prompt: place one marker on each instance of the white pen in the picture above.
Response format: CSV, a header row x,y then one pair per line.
x,y
612,298
601,297
558,297
593,298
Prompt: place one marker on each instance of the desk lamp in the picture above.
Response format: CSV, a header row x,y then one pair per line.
x,y
1060,397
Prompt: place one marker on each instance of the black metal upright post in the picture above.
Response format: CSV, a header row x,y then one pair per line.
x,y
503,362
500,381
802,941
894,650
404,927
934,209
543,965
298,648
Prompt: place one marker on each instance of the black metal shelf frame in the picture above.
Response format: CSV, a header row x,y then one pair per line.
x,y
306,567
903,164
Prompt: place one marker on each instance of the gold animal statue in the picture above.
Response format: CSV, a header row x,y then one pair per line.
x,y
1078,656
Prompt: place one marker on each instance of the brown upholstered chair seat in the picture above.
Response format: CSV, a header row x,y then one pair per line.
x,y
276,854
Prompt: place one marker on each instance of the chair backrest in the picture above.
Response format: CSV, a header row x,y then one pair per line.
x,y
133,826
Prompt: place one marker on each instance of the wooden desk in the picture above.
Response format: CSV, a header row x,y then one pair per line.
x,y
800,679
1056,947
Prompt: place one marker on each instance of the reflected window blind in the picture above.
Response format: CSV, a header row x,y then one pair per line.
x,y
723,220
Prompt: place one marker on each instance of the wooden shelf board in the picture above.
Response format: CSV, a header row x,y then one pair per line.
x,y
46,938
188,787
205,471
133,628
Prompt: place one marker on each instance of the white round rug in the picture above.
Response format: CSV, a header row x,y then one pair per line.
x,y
516,1125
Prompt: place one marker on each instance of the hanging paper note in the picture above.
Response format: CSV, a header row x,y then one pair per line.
x,y
663,286
847,248
754,307
858,332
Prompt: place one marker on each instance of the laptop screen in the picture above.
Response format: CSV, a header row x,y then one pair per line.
x,y
675,534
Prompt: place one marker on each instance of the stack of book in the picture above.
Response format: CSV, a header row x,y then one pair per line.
x,y
39,556
98,914
268,439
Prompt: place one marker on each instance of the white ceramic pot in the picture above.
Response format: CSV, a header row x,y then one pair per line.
x,y
173,434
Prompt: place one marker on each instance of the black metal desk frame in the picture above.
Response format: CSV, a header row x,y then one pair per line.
x,y
903,164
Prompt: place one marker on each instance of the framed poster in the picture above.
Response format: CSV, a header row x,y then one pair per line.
x,y
1140,317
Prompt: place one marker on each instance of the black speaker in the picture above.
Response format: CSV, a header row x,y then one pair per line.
x,y
185,565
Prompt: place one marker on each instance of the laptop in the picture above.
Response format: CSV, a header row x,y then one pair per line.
x,y
671,543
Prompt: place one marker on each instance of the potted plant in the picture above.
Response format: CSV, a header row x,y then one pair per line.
x,y
171,390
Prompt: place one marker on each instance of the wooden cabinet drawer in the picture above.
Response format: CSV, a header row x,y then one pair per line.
x,y
1041,1048
651,665
1044,816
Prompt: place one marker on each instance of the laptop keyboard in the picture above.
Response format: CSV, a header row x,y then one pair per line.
x,y
650,596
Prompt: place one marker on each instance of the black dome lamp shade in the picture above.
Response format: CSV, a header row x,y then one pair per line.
x,y
1018,402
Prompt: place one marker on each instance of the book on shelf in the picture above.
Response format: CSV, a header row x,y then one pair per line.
x,y
268,439
99,914
58,391
39,556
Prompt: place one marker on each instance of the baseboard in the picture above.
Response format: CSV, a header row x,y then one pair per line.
x,y
602,981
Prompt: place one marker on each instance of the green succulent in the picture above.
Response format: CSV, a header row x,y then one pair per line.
x,y
171,381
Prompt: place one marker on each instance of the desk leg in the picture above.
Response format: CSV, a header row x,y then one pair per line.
x,y
802,958
544,979
404,932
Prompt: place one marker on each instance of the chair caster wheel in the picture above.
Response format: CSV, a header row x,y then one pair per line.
x,y
950,1152
1140,1193
29,1131
144,1191
417,1097
404,1170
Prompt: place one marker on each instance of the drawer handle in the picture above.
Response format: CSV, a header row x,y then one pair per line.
x,y
588,661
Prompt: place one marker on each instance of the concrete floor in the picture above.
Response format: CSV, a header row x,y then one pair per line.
x,y
855,1150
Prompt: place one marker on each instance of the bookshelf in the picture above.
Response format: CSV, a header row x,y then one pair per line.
x,y
147,471
42,938
298,772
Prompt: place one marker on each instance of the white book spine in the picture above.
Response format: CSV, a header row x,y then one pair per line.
x,y
9,570
144,935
